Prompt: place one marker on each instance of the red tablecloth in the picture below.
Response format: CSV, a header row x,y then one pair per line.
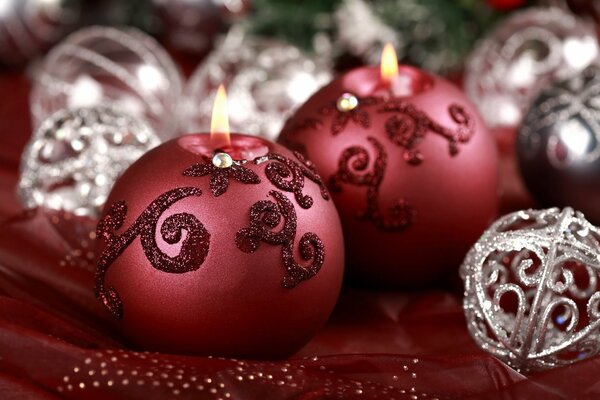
x,y
56,341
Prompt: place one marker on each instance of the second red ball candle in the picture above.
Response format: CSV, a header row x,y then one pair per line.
x,y
411,167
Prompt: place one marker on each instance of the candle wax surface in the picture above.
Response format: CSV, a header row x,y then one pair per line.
x,y
367,81
242,147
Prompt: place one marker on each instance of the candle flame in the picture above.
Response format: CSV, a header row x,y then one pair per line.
x,y
389,64
219,124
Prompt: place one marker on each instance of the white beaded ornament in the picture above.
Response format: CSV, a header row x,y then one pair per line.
x,y
74,158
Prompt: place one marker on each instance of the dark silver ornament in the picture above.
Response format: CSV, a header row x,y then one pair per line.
x,y
558,145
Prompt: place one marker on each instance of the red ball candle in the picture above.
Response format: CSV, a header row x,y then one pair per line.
x,y
220,246
411,167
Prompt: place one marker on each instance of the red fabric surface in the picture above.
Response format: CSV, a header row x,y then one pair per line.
x,y
57,342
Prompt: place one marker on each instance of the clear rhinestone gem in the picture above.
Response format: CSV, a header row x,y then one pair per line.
x,y
347,102
222,160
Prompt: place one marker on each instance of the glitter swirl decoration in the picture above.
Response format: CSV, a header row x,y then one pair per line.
x,y
193,248
73,159
123,68
288,175
266,215
531,289
349,108
523,55
220,174
406,127
266,81
353,169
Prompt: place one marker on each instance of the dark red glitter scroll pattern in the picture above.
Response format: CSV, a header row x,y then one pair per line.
x,y
265,215
194,248
219,177
356,158
406,127
358,115
288,175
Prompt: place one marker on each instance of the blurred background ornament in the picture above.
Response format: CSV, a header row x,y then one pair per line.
x,y
73,159
99,65
558,144
522,55
266,81
30,27
531,289
192,25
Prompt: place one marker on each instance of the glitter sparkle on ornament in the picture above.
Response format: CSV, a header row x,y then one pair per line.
x,y
531,289
75,156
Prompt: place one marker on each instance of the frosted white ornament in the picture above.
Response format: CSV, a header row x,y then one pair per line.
x,y
532,297
125,69
266,81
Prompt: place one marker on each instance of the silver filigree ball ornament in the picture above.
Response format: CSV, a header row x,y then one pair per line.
x,y
30,27
532,295
522,55
123,68
73,159
558,144
266,81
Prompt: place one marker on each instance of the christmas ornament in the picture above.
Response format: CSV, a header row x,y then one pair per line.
x,y
259,267
522,55
74,157
558,145
403,152
266,80
106,66
30,27
192,25
531,289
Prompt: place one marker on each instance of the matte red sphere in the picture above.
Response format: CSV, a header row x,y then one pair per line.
x,y
242,261
411,167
